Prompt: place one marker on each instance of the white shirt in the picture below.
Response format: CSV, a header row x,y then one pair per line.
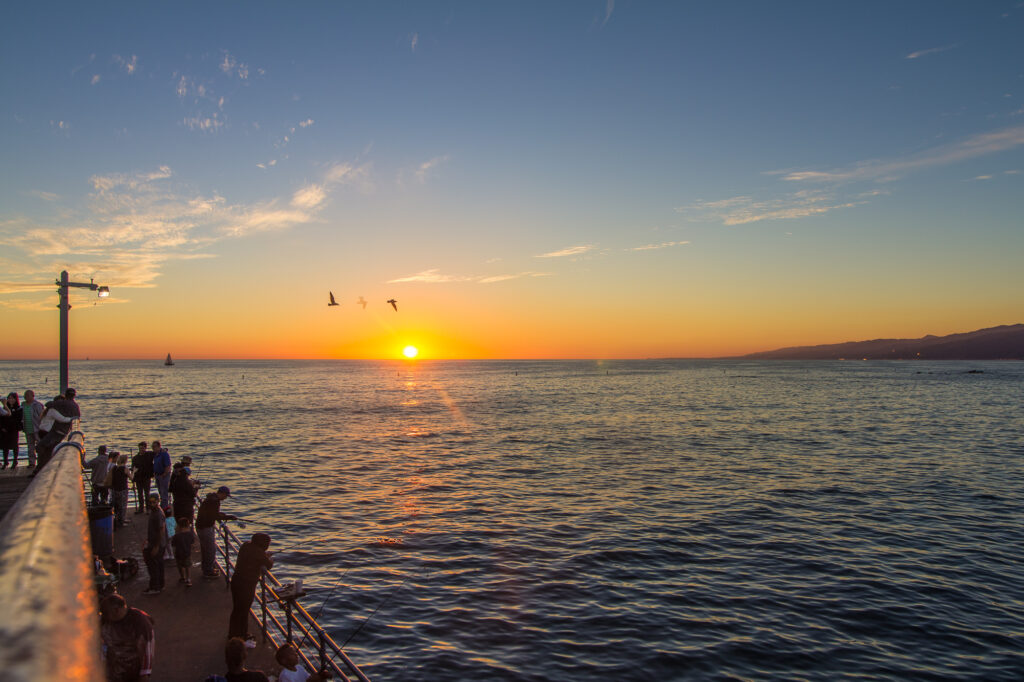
x,y
297,675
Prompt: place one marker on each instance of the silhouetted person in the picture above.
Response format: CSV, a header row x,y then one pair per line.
x,y
252,559
209,514
142,476
156,544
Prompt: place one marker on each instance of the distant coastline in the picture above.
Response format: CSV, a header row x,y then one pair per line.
x,y
1005,342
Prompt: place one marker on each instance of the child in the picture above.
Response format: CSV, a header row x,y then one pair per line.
x,y
288,658
182,542
172,528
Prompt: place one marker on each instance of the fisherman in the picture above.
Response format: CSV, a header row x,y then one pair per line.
x,y
128,640
209,514
252,558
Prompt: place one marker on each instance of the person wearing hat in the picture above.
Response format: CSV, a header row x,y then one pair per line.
x,y
209,514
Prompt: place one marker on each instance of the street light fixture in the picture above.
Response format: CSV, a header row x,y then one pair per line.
x,y
65,306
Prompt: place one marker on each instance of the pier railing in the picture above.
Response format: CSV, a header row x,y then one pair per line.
x,y
284,620
47,596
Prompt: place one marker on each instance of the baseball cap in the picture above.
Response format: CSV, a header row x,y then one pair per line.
x,y
224,489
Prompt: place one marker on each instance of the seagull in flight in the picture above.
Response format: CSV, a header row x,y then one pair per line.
x,y
362,301
394,304
333,302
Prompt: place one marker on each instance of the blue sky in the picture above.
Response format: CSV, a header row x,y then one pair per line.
x,y
802,167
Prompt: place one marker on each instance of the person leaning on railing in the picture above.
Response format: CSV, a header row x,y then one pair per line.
x,y
209,514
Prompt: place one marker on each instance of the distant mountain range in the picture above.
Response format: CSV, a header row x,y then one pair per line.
x,y
996,343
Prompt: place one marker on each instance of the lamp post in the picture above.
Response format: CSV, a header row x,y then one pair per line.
x,y
65,306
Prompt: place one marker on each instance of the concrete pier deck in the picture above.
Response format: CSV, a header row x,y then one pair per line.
x,y
191,623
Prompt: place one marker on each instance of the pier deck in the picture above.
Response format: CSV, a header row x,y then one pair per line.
x,y
191,623
12,484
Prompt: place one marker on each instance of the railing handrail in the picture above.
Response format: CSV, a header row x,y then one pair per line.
x,y
47,594
326,648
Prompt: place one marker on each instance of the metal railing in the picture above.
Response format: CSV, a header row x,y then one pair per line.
x,y
47,597
317,650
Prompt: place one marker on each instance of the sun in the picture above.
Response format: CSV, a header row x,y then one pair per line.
x,y
410,352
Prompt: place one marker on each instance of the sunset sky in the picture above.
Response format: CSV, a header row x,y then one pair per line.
x,y
528,179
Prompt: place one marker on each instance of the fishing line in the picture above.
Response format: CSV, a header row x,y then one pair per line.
x,y
386,599
324,603
303,542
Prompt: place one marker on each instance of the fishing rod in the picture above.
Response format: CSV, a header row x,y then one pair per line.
x,y
323,604
385,601
303,542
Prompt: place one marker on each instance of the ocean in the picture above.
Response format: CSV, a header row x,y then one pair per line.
x,y
625,520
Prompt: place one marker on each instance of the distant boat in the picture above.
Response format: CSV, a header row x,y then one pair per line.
x,y
168,362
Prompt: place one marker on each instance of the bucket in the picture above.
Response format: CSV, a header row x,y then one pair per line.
x,y
101,528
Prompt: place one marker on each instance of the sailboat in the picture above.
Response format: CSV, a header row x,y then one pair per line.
x,y
168,362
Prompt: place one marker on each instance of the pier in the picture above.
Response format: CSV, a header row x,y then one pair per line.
x,y
49,598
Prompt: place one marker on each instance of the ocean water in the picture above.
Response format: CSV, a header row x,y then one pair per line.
x,y
627,520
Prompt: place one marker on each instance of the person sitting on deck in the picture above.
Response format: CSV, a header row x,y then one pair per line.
x,y
252,559
128,640
287,656
234,656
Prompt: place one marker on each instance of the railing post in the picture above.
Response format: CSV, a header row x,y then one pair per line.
x,y
263,602
288,618
227,556
323,646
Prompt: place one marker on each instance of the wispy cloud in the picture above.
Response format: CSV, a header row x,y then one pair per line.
x,y
504,278
129,64
310,196
233,67
890,169
608,9
95,79
132,224
414,41
982,177
744,209
268,164
434,276
931,50
570,251
45,196
652,247
305,124
206,124
427,167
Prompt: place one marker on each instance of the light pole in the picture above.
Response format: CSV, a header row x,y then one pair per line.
x,y
65,306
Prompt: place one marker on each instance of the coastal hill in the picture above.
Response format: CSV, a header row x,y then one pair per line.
x,y
996,343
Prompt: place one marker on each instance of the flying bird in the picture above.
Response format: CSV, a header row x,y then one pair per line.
x,y
394,304
333,302
362,301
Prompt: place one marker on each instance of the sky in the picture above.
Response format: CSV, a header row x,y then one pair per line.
x,y
580,179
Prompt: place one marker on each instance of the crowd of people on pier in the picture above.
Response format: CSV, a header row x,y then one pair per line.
x,y
43,426
174,529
